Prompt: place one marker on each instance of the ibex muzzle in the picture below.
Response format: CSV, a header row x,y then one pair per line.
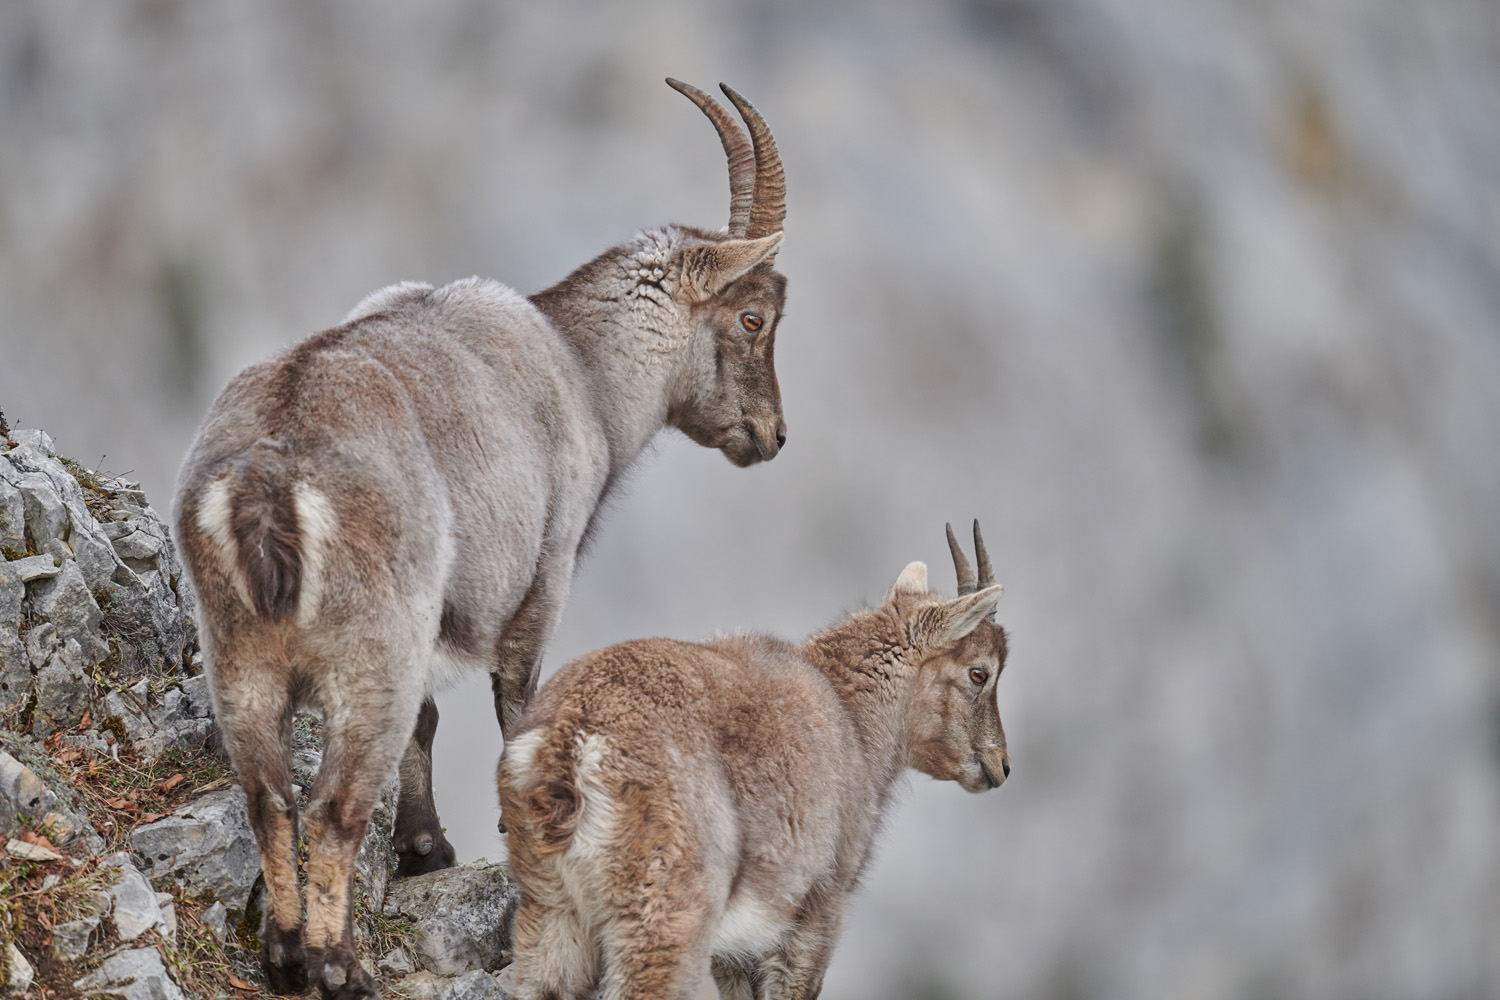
x,y
403,497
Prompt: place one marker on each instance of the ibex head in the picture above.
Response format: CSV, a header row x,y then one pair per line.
x,y
953,719
723,286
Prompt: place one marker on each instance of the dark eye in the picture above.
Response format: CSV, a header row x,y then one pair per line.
x,y
751,322
978,675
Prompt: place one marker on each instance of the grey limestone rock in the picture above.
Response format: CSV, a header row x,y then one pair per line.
x,y
21,972
15,672
66,602
462,916
135,975
216,919
206,846
62,689
46,517
38,440
71,938
35,568
183,718
136,910
474,985
20,793
12,517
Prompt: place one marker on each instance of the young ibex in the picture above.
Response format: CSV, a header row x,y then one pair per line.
x,y
404,496
673,806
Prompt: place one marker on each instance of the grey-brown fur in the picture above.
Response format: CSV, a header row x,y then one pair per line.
x,y
675,807
403,497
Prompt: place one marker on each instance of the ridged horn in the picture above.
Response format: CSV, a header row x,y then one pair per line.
x,y
768,209
986,571
966,582
737,149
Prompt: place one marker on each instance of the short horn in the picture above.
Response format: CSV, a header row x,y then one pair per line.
x,y
768,210
738,150
961,565
986,571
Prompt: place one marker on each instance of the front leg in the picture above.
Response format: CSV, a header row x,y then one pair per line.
x,y
795,970
419,841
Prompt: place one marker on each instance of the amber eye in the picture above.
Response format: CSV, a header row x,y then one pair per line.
x,y
751,322
978,675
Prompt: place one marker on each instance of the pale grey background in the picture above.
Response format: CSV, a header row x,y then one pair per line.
x,y
1195,302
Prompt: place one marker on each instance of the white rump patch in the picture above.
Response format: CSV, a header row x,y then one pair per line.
x,y
213,520
317,523
596,810
518,757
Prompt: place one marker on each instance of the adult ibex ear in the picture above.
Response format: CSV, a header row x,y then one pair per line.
x,y
945,624
707,270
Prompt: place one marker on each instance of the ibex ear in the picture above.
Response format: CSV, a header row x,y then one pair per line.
x,y
945,624
707,270
913,580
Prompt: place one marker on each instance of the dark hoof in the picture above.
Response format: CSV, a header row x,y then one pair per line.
x,y
427,854
282,960
344,979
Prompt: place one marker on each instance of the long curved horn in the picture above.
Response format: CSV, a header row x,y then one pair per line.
x,y
736,147
768,210
986,571
966,584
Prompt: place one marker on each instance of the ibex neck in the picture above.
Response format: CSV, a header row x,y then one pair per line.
x,y
864,658
621,326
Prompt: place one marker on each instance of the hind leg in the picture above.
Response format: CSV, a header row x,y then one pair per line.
x,y
255,713
735,979
555,955
364,736
419,839
654,955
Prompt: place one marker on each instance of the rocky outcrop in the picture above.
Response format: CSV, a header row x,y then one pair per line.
x,y
98,655
461,917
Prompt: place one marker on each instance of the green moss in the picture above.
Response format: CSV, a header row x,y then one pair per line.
x,y
115,726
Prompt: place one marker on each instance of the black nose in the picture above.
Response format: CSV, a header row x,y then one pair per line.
x,y
780,437
1006,768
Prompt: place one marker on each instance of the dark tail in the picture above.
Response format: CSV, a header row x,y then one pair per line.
x,y
263,521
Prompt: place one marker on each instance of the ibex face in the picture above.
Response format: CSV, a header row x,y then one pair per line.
x,y
737,408
953,727
732,299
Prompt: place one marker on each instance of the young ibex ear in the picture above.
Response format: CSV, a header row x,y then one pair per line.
x,y
913,580
943,625
707,270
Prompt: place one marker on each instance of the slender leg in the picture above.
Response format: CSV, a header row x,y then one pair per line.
x,y
360,752
796,970
735,980
555,957
261,754
419,839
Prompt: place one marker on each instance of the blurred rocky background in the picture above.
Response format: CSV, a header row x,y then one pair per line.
x,y
1195,303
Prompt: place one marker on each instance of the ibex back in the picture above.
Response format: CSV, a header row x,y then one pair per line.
x,y
403,497
676,806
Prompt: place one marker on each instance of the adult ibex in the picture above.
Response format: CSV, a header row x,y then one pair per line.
x,y
673,806
403,497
